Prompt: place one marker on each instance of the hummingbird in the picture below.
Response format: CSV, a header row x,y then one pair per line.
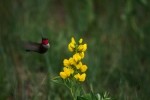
x,y
41,47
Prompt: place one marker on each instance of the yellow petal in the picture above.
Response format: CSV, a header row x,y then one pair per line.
x,y
66,63
72,61
81,54
80,48
63,75
77,76
72,45
84,47
67,71
73,40
82,77
78,66
71,71
83,68
77,57
70,48
81,40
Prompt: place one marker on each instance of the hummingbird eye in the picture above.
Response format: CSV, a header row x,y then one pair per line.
x,y
45,41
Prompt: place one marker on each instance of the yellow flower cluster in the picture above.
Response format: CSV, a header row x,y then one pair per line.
x,y
73,67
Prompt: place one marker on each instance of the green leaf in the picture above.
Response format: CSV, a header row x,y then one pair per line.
x,y
89,96
81,98
94,96
58,80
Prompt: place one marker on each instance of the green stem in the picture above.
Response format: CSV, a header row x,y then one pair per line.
x,y
72,94
71,90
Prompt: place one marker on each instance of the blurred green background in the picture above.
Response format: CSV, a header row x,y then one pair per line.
x,y
117,33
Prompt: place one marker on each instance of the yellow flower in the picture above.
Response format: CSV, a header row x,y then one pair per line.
x,y
79,77
78,66
73,66
71,70
63,75
77,57
67,71
81,40
84,47
71,47
82,77
66,63
81,54
80,47
83,68
72,61
73,41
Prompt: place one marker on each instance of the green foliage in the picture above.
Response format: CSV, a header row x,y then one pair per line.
x,y
92,96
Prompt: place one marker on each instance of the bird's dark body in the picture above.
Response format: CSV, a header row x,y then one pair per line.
x,y
35,47
42,49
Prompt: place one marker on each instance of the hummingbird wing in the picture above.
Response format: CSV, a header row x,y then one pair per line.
x,y
31,46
